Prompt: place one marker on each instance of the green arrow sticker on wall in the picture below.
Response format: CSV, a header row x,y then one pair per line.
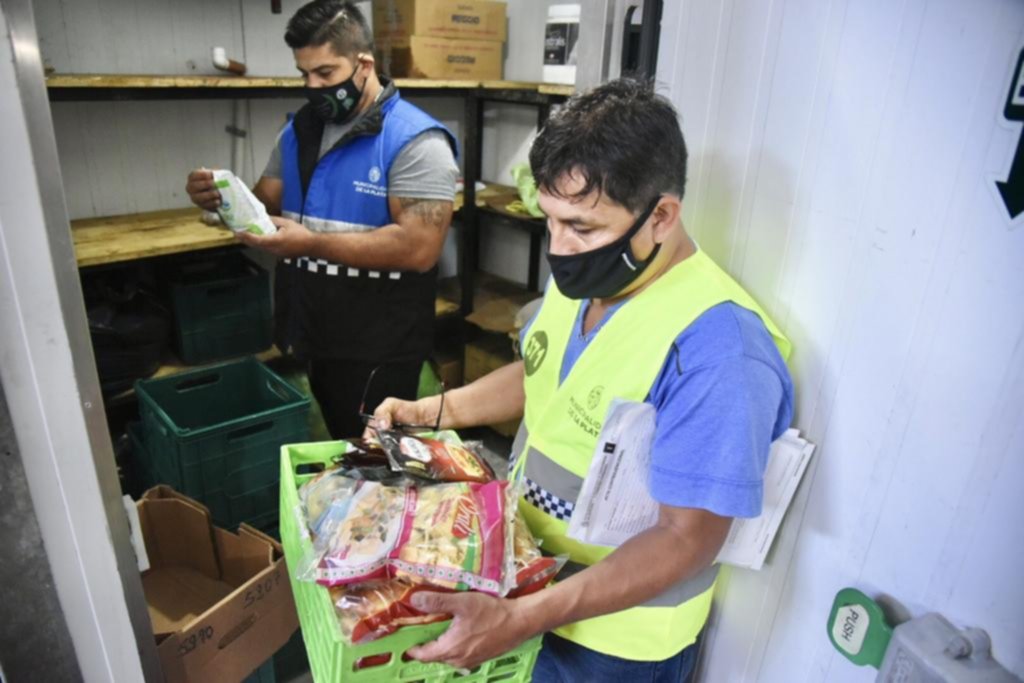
x,y
857,628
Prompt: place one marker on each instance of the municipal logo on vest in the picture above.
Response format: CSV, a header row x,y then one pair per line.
x,y
594,398
374,174
535,352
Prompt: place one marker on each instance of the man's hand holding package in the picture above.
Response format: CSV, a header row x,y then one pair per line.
x,y
394,411
201,190
291,239
483,627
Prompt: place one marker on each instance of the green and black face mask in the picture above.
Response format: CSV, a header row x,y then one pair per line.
x,y
335,103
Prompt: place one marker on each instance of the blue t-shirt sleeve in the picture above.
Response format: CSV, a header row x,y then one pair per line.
x,y
722,397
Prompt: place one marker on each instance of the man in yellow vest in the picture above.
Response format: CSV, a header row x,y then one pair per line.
x,y
634,311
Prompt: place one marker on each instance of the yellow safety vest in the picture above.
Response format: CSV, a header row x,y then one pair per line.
x,y
561,424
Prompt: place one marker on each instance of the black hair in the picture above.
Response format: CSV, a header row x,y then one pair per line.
x,y
330,21
621,137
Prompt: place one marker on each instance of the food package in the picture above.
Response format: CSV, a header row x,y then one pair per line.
x,y
367,460
239,208
375,609
533,570
319,494
356,534
433,459
527,187
458,536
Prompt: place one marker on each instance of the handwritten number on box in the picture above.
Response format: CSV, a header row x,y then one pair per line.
x,y
200,637
261,590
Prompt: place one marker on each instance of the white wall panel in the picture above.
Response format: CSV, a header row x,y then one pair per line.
x,y
841,161
141,36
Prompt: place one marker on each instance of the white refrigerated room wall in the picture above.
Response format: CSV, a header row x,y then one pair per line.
x,y
843,160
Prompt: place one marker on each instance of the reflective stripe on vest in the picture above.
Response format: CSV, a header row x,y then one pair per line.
x,y
562,421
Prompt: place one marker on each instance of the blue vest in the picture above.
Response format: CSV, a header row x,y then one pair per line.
x,y
349,186
330,310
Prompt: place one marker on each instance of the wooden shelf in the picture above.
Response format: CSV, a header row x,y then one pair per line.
x,y
445,306
494,199
146,86
156,81
495,301
114,239
170,364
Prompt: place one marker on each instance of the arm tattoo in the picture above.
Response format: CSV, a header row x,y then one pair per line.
x,y
431,211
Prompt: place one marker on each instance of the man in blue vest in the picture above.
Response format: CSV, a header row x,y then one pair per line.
x,y
634,311
360,186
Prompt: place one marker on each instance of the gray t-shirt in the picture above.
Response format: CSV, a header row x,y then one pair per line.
x,y
424,169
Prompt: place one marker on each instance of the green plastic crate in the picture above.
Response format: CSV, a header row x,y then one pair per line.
x,y
141,477
221,307
264,674
331,659
215,435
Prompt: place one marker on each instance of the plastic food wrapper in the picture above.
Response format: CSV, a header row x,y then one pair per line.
x,y
375,609
367,460
239,208
356,534
433,459
533,570
523,177
458,536
317,496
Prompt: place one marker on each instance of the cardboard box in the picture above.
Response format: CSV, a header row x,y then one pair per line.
x,y
396,21
220,602
449,366
442,59
484,355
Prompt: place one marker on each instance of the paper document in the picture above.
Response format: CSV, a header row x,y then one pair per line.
x,y
750,539
615,504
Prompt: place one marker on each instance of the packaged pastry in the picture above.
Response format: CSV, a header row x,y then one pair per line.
x,y
357,534
457,536
374,609
433,459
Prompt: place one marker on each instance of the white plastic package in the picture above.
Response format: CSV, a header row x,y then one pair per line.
x,y
239,208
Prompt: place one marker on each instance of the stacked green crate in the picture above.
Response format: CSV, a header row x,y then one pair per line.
x,y
215,434
221,306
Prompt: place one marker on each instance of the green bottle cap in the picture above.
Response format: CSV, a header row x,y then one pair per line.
x,y
857,628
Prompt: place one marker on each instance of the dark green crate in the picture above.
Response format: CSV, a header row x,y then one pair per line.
x,y
141,475
221,307
291,661
264,674
215,434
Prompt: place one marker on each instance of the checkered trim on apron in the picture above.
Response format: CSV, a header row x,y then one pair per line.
x,y
547,502
327,268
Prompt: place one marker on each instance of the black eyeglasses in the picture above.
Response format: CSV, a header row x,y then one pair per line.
x,y
407,428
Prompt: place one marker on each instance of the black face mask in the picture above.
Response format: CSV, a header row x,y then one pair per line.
x,y
605,271
335,103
